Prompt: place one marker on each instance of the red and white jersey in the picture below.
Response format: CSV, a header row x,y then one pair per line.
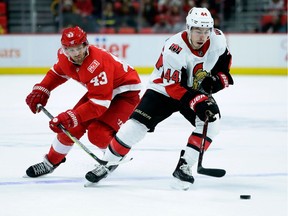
x,y
103,74
180,66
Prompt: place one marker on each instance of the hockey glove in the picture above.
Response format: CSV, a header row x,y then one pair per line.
x,y
213,84
39,95
203,106
68,119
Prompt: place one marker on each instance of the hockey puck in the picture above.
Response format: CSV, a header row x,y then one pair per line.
x,y
245,196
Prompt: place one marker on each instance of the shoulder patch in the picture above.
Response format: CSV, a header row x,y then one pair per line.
x,y
217,31
92,67
175,48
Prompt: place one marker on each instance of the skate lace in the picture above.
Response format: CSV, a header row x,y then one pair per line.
x,y
186,169
100,170
41,168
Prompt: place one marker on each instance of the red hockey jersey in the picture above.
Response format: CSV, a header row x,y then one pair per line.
x,y
103,74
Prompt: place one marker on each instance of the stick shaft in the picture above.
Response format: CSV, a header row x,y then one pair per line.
x,y
74,139
200,169
202,147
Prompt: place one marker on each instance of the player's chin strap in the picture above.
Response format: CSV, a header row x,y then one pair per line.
x,y
75,140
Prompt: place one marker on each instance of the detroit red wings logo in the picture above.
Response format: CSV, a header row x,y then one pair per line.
x,y
92,67
70,34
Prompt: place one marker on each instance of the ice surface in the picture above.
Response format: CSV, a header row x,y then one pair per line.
x,y
252,147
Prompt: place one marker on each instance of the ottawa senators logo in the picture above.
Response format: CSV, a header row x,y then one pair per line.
x,y
198,75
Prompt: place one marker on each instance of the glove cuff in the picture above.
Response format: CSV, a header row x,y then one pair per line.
x,y
196,100
73,117
223,79
42,89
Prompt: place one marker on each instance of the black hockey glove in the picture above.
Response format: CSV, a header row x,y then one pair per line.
x,y
204,106
213,84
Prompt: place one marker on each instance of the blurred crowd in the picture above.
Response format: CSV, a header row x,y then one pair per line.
x,y
274,20
153,16
3,17
146,16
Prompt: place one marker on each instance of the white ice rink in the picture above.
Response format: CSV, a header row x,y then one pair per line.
x,y
252,147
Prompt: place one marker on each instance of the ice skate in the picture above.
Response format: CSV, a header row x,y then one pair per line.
x,y
42,168
183,174
100,172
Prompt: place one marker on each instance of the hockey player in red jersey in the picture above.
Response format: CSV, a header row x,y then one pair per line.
x,y
113,89
193,64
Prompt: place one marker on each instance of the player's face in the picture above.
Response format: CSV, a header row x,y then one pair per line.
x,y
199,36
76,53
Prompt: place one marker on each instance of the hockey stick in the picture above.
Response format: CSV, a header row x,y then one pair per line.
x,y
75,140
200,169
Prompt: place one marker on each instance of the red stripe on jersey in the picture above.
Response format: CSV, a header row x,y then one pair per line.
x,y
159,80
175,91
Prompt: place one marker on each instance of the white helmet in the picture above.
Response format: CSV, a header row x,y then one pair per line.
x,y
199,17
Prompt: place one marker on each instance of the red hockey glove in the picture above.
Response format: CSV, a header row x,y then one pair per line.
x,y
39,95
215,83
68,119
202,106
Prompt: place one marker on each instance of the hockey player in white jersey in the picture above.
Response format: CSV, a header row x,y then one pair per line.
x,y
193,64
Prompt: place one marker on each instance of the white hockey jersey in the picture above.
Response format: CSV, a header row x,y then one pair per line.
x,y
180,67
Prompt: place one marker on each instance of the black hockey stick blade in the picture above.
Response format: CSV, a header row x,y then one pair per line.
x,y
211,172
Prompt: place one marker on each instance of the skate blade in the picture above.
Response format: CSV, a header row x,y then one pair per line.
x,y
25,176
113,163
90,184
180,185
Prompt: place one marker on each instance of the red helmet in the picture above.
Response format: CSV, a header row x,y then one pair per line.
x,y
73,36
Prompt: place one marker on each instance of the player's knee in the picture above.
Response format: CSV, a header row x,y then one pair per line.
x,y
101,140
100,134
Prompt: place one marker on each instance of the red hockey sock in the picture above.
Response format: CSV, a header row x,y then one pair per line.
x,y
195,141
55,157
119,148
